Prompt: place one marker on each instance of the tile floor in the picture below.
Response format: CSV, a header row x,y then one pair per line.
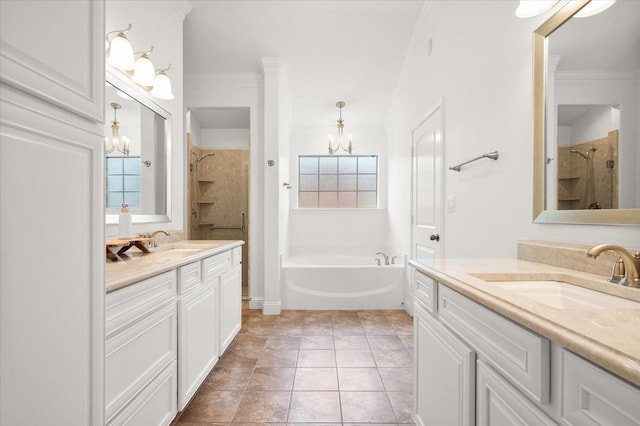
x,y
331,367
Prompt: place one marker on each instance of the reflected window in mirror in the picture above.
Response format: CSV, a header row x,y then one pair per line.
x,y
123,183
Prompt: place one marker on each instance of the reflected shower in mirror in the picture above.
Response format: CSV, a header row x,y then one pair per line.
x,y
586,115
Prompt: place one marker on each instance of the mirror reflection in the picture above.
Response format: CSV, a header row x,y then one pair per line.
x,y
589,110
136,148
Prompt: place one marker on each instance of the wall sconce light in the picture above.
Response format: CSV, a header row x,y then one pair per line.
x,y
114,144
119,50
594,7
162,85
138,67
144,73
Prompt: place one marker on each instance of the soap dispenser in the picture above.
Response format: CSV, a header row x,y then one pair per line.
x,y
124,222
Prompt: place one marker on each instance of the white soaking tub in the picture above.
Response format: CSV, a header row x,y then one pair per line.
x,y
344,282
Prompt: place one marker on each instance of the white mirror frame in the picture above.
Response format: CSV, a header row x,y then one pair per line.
x,y
540,215
121,82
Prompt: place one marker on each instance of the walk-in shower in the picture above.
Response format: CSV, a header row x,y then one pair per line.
x,y
589,199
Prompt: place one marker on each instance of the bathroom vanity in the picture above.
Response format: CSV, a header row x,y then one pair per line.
x,y
521,342
170,314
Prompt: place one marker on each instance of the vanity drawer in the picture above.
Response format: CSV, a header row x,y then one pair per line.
x,y
213,266
189,276
136,355
517,353
425,291
592,395
129,304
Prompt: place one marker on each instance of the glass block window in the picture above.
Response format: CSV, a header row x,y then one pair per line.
x,y
337,181
123,182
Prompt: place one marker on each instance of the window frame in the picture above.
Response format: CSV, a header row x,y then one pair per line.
x,y
117,209
357,191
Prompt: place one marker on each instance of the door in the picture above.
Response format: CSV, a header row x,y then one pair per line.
x,y
427,148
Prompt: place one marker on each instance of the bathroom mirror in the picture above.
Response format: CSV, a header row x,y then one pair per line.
x,y
140,179
586,70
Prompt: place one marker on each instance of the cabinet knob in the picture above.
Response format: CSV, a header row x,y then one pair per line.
x,y
435,237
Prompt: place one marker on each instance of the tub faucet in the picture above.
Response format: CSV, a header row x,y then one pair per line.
x,y
630,261
386,258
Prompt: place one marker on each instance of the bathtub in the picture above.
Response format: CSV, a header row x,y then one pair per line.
x,y
341,282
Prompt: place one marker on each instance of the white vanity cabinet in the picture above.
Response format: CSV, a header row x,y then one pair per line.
x,y
141,350
231,300
199,323
475,366
163,336
444,374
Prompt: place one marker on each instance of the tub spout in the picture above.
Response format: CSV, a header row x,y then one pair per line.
x,y
386,258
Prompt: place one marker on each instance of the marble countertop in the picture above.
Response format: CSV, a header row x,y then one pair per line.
x,y
139,266
607,337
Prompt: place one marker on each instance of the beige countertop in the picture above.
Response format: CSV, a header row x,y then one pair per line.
x,y
608,337
139,266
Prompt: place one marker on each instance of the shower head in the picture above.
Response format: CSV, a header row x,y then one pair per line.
x,y
199,159
584,155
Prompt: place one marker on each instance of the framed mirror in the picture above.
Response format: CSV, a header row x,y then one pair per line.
x,y
586,114
137,153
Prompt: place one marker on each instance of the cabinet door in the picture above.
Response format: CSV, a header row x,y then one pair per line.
x,y
231,306
198,346
444,389
592,396
500,404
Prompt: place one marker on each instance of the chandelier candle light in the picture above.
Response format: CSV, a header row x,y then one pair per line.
x,y
115,144
332,150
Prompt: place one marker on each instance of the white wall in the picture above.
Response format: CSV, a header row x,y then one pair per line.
x,y
347,231
481,67
162,29
224,139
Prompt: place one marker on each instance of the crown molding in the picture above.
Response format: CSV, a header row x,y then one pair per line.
x,y
199,81
181,7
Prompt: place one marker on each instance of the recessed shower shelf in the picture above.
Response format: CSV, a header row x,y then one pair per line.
x,y
569,177
206,202
206,180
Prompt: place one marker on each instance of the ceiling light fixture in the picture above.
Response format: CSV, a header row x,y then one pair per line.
x,y
340,104
594,7
114,144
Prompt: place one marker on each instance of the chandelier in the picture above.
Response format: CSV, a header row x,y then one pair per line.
x,y
332,150
114,143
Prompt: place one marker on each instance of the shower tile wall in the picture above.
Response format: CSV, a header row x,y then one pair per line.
x,y
221,196
572,173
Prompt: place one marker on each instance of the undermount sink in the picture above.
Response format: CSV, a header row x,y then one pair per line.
x,y
559,291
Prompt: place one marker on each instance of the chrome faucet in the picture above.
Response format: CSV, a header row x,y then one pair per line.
x,y
386,258
630,264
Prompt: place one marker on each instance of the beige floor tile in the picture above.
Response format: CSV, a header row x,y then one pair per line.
x,y
214,406
228,378
359,379
317,342
282,342
318,407
385,342
354,358
316,379
263,407
278,358
402,403
392,358
366,407
271,378
246,358
351,342
397,379
316,358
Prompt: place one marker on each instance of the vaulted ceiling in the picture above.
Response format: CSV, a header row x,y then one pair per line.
x,y
350,50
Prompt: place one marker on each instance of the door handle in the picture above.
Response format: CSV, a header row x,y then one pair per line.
x,y
435,237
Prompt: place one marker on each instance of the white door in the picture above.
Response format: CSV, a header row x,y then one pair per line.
x,y
427,148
